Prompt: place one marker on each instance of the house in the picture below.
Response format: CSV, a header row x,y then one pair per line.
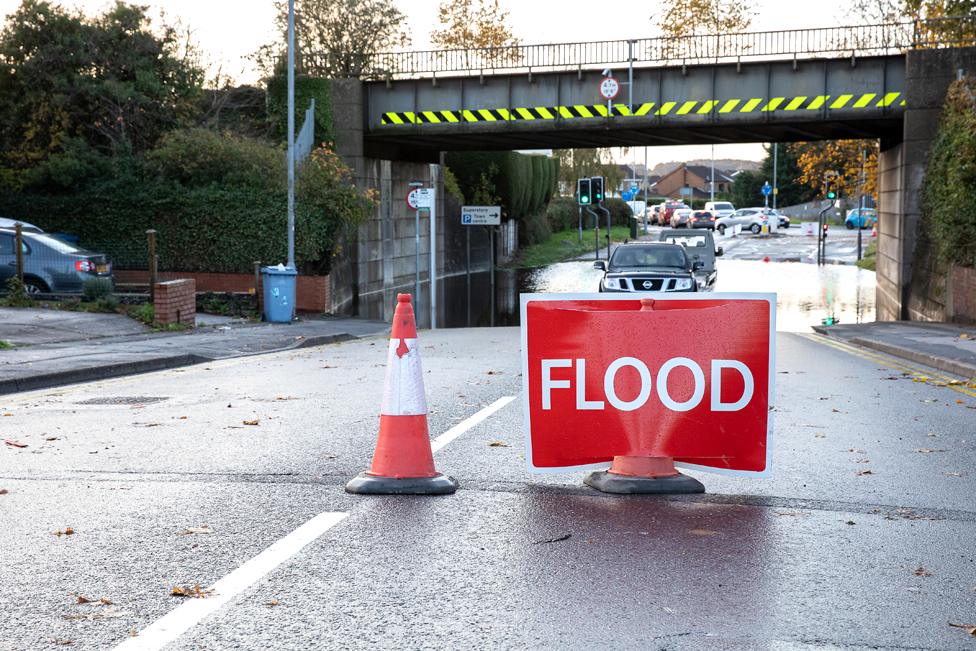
x,y
695,177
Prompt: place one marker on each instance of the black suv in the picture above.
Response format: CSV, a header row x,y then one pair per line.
x,y
648,267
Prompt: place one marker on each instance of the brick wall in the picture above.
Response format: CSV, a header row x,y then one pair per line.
x,y
313,291
962,293
176,302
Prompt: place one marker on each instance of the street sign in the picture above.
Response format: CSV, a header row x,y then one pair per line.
x,y
627,195
481,215
766,189
634,188
685,191
593,389
609,88
420,198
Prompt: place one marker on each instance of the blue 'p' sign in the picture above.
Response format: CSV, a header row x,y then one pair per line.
x,y
465,219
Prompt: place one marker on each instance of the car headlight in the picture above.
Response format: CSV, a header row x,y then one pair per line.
x,y
684,283
611,283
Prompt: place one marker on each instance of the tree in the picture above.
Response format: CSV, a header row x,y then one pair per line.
x,y
844,157
338,38
581,163
108,84
682,18
476,24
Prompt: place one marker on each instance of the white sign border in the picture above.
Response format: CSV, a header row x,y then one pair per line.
x,y
770,298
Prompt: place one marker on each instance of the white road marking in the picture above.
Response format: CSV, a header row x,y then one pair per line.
x,y
193,611
466,424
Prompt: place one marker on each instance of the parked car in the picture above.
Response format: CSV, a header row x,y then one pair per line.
x,y
51,265
680,217
699,247
24,226
719,208
666,209
866,219
750,219
702,219
649,267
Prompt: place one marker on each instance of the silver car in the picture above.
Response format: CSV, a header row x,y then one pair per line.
x,y
50,265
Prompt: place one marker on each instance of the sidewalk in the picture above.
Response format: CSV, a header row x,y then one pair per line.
x,y
105,346
945,346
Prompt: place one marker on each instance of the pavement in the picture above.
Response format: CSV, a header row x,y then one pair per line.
x,y
163,485
55,348
945,346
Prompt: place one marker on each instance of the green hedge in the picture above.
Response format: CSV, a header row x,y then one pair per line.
x,y
948,209
522,183
306,88
563,213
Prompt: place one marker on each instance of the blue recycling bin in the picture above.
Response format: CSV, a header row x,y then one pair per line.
x,y
279,293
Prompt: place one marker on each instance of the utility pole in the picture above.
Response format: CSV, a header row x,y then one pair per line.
x,y
860,210
711,190
291,134
775,170
647,204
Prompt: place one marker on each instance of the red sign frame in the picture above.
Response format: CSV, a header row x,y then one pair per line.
x,y
703,395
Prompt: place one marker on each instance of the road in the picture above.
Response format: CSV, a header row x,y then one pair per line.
x,y
163,485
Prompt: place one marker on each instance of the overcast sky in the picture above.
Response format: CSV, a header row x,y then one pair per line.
x,y
228,31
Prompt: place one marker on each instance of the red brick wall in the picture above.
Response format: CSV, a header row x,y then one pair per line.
x,y
313,291
176,302
962,291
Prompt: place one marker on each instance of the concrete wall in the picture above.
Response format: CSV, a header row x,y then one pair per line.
x,y
911,283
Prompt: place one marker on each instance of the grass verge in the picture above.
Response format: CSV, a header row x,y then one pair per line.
x,y
870,259
4,345
562,246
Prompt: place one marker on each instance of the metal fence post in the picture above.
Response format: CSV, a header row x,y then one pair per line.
x,y
153,264
19,246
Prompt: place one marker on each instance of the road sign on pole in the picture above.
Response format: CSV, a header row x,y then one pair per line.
x,y
609,87
481,215
703,397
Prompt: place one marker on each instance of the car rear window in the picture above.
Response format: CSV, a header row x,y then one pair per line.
x,y
702,213
723,206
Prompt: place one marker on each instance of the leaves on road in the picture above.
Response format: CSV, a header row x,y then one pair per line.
x,y
969,628
3,491
273,603
920,378
702,532
68,531
552,540
929,450
195,592
499,444
865,472
82,599
850,522
947,474
201,530
14,444
252,422
921,571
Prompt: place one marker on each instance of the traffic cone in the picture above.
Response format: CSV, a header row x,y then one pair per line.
x,y
403,463
874,232
643,473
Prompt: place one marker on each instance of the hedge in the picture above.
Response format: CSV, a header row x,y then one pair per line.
x,y
523,183
948,209
306,88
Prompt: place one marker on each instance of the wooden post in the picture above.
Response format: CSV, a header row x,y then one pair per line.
x,y
258,297
19,246
153,264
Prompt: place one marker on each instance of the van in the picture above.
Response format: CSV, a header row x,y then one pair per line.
x,y
719,208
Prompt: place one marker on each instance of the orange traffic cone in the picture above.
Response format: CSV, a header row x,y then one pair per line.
x,y
643,473
403,463
874,232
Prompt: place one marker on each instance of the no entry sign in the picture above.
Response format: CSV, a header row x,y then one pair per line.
x,y
691,378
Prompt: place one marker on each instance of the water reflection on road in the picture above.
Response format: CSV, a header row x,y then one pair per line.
x,y
806,294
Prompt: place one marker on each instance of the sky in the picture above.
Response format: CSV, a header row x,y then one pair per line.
x,y
228,31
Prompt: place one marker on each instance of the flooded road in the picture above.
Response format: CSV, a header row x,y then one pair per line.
x,y
806,294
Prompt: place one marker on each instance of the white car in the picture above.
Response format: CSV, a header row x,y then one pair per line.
x,y
750,219
719,208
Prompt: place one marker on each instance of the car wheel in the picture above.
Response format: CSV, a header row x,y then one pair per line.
x,y
33,286
755,228
850,225
721,229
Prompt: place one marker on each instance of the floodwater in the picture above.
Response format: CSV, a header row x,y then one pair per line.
x,y
806,295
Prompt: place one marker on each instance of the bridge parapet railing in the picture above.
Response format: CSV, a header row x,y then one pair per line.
x,y
824,42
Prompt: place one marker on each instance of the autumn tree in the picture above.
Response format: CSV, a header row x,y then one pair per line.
x,y
844,157
582,163
678,19
476,24
337,38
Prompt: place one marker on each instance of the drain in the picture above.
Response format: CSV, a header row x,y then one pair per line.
x,y
123,400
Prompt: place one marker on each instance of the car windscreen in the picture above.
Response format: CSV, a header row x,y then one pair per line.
x,y
648,256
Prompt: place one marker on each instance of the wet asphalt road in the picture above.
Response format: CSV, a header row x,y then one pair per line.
x,y
818,556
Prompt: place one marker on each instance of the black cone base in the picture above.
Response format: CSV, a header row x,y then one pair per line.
x,y
608,482
366,484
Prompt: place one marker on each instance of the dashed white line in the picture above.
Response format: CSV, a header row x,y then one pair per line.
x,y
192,612
466,424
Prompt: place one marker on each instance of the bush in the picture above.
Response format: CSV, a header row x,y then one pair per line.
x,y
107,304
145,313
521,183
17,295
620,212
97,288
562,214
535,229
306,88
948,211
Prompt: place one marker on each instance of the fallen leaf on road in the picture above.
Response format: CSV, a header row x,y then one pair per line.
x,y
105,601
3,491
702,532
81,599
8,414
252,422
857,450
932,435
51,438
494,373
963,335
552,540
60,642
928,450
14,444
285,398
182,418
820,435
203,529
921,571
920,378
960,402
824,398
955,383
68,531
837,411
969,628
272,603
850,522
498,444
865,472
196,592
953,474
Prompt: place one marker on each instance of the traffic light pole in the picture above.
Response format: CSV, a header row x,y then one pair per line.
x,y
596,233
607,212
821,235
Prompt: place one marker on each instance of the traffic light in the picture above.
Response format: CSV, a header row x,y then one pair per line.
x,y
583,192
830,186
596,183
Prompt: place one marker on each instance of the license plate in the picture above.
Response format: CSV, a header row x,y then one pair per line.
x,y
101,268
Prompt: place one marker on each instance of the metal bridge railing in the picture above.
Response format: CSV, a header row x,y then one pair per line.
x,y
856,40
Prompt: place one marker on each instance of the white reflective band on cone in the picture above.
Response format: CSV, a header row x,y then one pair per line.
x,y
403,392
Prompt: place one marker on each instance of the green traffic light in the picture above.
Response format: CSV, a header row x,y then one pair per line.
x,y
584,200
831,195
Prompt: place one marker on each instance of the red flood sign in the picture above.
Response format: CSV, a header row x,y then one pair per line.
x,y
689,378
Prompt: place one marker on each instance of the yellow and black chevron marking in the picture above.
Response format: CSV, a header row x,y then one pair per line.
x,y
671,108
